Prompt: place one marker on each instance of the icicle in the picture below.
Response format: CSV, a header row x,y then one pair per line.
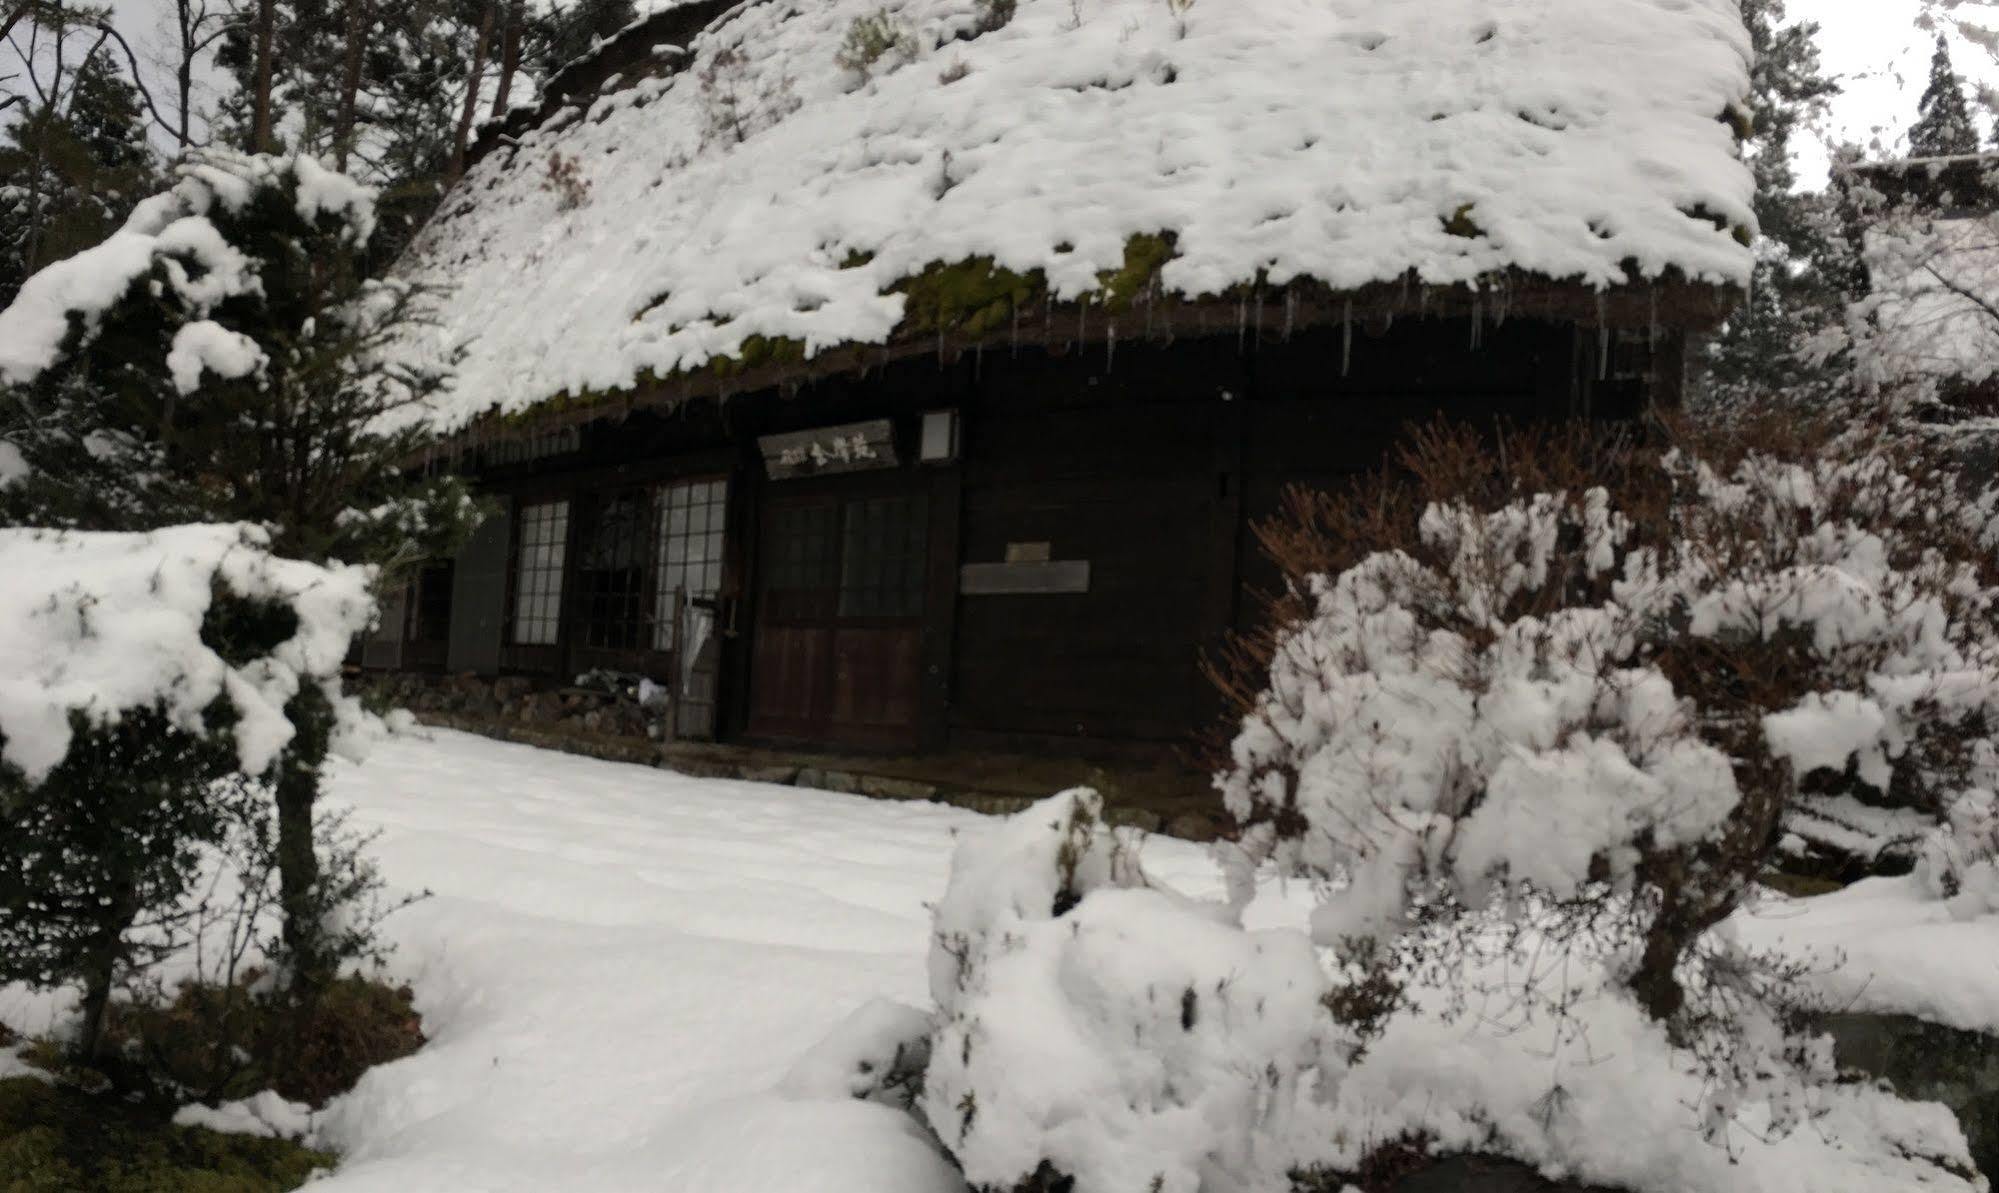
x,y
1110,347
1652,328
1241,324
1259,315
1346,338
1290,313
1082,321
1474,319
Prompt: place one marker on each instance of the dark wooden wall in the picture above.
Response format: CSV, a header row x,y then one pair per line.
x,y
1148,461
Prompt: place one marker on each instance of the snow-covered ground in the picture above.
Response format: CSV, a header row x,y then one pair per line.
x,y
619,965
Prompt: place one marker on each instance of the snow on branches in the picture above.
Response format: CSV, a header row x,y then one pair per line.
x,y
105,624
1593,687
173,236
1113,1030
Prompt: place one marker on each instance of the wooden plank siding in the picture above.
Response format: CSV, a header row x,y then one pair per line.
x,y
1150,463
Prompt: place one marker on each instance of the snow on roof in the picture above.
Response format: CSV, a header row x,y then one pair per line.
x,y
105,623
1932,310
762,189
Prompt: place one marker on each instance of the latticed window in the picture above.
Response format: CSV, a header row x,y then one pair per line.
x,y
688,551
883,557
612,609
541,547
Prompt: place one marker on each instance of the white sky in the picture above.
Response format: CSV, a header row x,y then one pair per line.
x,y
1880,52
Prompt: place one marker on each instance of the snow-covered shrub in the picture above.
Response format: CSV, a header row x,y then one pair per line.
x,y
225,358
1556,694
144,682
876,1054
876,38
1960,862
1098,1029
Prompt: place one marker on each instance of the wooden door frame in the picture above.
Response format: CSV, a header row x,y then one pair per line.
x,y
941,485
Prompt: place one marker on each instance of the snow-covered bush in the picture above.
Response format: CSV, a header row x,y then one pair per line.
x,y
1096,1028
225,358
1558,694
1098,1033
144,682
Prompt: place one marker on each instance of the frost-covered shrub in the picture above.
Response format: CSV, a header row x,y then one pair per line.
x,y
1960,862
877,1054
1561,692
880,37
1098,1029
144,684
1099,1034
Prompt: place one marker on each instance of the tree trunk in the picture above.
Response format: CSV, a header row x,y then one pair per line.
x,y
267,24
101,972
304,931
350,82
476,76
510,56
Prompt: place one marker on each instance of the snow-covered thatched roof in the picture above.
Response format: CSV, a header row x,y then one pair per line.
x,y
760,195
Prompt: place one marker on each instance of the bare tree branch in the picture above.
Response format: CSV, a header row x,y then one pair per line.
x,y
137,82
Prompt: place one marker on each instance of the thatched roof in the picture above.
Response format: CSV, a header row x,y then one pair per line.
x,y
804,187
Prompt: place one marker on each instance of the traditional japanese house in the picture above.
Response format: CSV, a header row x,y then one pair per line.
x,y
908,377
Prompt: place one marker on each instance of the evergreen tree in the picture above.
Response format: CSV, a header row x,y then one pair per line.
x,y
70,173
1796,289
1943,125
242,376
411,64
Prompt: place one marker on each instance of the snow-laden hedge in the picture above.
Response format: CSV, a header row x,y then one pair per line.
x,y
100,625
1537,718
1097,1027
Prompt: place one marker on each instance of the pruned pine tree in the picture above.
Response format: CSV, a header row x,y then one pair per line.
x,y
1943,125
239,375
1798,287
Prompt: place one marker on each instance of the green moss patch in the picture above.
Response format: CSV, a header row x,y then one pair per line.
x,y
971,297
57,1138
225,1043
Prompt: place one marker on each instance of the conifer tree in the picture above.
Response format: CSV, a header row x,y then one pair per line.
x,y
70,172
1793,292
238,373
1943,125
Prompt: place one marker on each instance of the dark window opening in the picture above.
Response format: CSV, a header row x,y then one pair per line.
x,y
612,610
